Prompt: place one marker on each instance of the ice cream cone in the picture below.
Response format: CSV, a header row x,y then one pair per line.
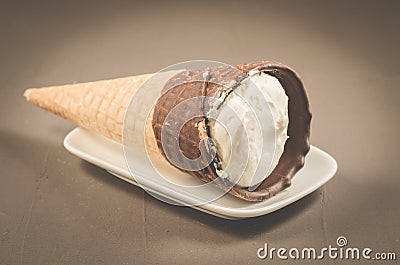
x,y
100,107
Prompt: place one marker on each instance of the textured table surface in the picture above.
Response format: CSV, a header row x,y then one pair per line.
x,y
58,209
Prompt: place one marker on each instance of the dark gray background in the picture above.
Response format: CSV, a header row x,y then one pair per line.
x,y
58,209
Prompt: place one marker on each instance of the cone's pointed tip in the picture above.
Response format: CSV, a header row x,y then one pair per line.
x,y
32,95
27,94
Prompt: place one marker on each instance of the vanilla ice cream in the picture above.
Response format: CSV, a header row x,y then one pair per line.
x,y
250,129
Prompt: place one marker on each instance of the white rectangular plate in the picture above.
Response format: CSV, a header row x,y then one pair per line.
x,y
100,151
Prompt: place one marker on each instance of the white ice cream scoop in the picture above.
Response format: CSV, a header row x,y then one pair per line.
x,y
250,129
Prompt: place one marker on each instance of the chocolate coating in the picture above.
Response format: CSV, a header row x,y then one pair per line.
x,y
216,83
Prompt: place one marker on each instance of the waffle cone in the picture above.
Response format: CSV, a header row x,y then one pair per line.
x,y
97,106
